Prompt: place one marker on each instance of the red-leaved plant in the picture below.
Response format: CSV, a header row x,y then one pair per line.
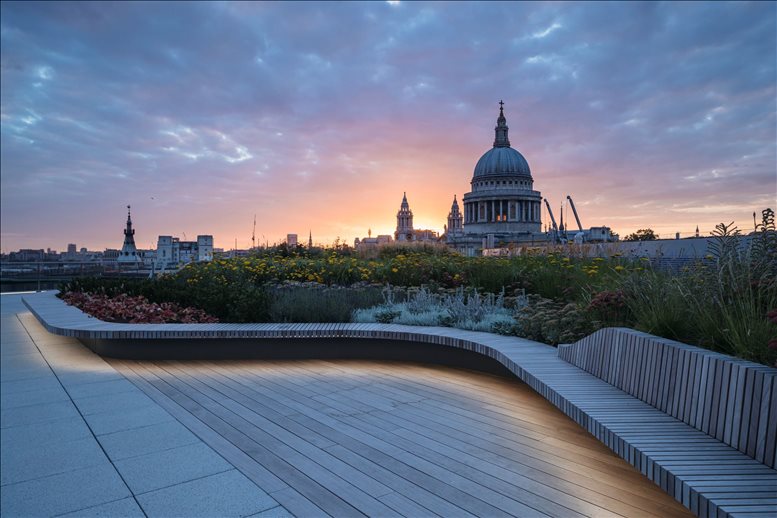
x,y
135,310
609,306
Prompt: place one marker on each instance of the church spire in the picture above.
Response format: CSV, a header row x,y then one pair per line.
x,y
129,232
501,140
129,252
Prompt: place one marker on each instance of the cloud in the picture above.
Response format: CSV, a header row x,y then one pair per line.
x,y
315,114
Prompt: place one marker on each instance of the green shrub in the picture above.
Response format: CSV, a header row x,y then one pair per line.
x,y
658,305
552,322
317,303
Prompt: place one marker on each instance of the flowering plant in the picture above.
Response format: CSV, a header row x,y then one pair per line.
x,y
135,309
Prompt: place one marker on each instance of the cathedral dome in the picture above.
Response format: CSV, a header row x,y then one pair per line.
x,y
502,161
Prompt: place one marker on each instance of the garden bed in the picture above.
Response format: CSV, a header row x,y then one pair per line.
x,y
726,302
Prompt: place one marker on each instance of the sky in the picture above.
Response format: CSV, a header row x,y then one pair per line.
x,y
316,117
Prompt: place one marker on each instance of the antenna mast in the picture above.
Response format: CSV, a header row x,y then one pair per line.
x,y
253,235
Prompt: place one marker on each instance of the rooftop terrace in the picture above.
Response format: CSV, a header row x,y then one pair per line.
x,y
85,435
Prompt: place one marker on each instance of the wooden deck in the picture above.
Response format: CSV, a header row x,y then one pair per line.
x,y
347,438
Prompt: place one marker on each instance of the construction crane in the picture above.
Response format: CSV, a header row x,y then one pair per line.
x,y
552,219
550,213
574,211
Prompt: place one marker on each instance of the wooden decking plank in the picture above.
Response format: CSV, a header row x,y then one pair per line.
x,y
405,506
376,451
547,461
319,469
296,503
228,388
358,440
437,458
509,463
350,444
313,451
318,495
414,492
440,486
236,456
378,471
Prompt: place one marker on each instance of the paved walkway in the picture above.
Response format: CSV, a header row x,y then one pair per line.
x,y
78,437
92,437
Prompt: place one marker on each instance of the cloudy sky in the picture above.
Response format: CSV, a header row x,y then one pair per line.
x,y
317,116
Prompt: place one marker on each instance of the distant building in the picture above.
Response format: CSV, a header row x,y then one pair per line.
x,y
502,208
405,233
171,251
129,253
371,242
291,240
28,255
600,235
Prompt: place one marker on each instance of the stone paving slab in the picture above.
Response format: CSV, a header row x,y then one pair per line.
x,y
124,508
149,439
63,493
120,420
224,494
101,388
51,394
60,430
170,467
67,418
51,458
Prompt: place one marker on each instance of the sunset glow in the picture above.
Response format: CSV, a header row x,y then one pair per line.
x,y
317,117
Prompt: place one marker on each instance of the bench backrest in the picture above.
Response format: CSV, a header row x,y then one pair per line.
x,y
730,399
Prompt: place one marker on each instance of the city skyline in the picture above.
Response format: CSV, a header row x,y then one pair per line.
x,y
319,116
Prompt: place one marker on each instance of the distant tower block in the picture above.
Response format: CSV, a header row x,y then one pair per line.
x,y
129,253
404,230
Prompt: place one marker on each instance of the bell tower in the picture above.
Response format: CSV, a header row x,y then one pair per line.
x,y
404,230
455,219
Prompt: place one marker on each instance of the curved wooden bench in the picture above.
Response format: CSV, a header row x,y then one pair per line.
x,y
732,400
709,477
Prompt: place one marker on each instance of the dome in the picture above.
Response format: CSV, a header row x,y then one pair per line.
x,y
502,161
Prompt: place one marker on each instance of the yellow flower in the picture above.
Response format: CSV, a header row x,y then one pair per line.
x,y
619,268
